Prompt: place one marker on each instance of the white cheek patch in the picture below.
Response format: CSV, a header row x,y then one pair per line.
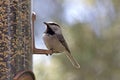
x,y
56,29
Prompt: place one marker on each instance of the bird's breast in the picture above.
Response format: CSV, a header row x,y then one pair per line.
x,y
52,42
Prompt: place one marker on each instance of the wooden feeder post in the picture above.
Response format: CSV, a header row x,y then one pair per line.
x,y
15,40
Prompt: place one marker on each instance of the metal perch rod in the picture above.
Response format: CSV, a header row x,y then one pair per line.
x,y
35,50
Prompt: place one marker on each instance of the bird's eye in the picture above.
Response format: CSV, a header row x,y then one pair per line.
x,y
55,29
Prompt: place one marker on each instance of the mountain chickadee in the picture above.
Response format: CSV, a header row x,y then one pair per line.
x,y
55,41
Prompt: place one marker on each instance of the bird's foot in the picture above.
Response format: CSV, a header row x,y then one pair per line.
x,y
52,51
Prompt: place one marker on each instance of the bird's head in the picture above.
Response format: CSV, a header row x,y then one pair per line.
x,y
52,26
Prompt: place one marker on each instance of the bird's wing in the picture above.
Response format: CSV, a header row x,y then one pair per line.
x,y
62,40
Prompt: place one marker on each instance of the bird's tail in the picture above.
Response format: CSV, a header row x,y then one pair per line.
x,y
72,60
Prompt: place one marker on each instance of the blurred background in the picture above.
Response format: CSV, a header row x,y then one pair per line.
x,y
92,30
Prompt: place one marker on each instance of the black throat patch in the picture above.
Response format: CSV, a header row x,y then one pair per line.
x,y
49,31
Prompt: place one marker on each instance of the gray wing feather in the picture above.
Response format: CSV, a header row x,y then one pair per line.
x,y
62,40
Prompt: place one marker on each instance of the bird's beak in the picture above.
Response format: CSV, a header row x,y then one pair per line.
x,y
45,23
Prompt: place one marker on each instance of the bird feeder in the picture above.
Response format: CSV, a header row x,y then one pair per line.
x,y
17,40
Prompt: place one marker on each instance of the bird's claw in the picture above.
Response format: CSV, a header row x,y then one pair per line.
x,y
52,51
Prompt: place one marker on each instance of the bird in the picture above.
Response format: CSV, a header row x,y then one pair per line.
x,y
55,41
